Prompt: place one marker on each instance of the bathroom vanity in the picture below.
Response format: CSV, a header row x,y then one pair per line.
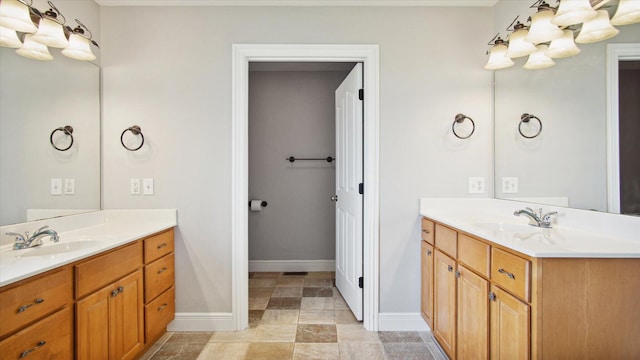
x,y
111,299
495,287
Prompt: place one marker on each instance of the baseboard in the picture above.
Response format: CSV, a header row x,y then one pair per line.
x,y
291,265
202,322
401,322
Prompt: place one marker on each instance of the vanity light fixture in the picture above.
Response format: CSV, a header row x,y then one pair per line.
x,y
498,58
597,29
15,15
571,12
628,12
518,46
47,29
563,47
539,60
542,30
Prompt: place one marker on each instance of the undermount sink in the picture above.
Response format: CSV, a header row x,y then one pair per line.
x,y
507,227
58,248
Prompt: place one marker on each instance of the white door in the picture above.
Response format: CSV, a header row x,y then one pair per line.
x,y
348,198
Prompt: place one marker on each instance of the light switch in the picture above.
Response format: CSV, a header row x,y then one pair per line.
x,y
147,186
476,185
56,186
509,185
135,186
69,186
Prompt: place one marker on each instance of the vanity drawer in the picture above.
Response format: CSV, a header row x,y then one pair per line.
x,y
427,230
447,240
98,272
474,253
511,272
158,277
158,314
31,300
158,245
49,338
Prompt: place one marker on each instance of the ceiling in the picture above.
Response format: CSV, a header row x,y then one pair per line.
x,y
296,2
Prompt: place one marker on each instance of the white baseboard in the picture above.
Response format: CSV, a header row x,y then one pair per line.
x,y
401,322
291,265
202,322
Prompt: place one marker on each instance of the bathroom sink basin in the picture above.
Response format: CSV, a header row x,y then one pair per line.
x,y
507,227
58,248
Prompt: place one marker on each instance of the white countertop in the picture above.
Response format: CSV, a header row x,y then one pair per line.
x,y
583,235
105,230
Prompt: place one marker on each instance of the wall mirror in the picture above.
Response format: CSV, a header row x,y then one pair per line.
x,y
567,163
37,97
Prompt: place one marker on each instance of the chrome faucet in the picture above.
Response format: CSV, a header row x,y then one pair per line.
x,y
536,219
25,241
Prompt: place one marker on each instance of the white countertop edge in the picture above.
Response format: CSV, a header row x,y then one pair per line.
x,y
113,227
462,214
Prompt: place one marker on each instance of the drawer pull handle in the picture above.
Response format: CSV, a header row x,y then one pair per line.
x,y
23,308
450,268
24,354
162,245
162,307
162,270
425,231
510,275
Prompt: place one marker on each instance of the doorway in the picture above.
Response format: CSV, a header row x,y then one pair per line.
x,y
242,56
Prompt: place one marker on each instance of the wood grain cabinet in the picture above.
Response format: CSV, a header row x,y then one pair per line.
x,y
426,285
112,306
502,304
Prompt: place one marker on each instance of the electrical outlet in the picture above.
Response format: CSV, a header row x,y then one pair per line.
x,y
476,185
56,186
135,186
69,186
147,186
509,185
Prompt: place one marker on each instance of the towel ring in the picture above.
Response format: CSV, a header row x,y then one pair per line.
x,y
459,120
67,130
135,130
525,119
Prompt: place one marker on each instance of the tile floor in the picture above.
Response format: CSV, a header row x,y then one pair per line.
x,y
296,316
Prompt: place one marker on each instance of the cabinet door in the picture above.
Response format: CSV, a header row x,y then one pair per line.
x,y
510,320
426,306
126,325
473,315
444,325
92,324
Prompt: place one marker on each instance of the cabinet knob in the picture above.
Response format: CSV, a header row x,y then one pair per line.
x,y
429,252
450,268
25,353
120,289
492,296
23,308
458,273
114,293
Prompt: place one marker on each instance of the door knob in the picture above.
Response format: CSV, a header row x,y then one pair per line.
x,y
334,198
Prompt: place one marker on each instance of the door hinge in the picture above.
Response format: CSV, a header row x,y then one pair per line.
x,y
361,188
361,94
361,282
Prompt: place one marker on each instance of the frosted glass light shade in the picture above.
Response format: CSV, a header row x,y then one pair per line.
x,y
571,12
34,50
538,60
9,38
628,12
597,29
563,47
518,46
15,15
498,58
79,48
50,33
542,30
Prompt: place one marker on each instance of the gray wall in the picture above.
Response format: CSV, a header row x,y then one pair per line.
x,y
168,69
292,114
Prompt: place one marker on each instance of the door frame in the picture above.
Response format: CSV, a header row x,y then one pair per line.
x,y
615,53
242,54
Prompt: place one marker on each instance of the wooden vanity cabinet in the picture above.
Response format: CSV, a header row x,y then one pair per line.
x,y
159,279
444,323
426,282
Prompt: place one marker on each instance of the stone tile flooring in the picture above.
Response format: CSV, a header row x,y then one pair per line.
x,y
296,316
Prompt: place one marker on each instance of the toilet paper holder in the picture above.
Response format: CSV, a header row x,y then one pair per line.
x,y
264,203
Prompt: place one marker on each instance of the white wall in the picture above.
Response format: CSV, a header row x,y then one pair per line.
x,y
168,70
292,113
